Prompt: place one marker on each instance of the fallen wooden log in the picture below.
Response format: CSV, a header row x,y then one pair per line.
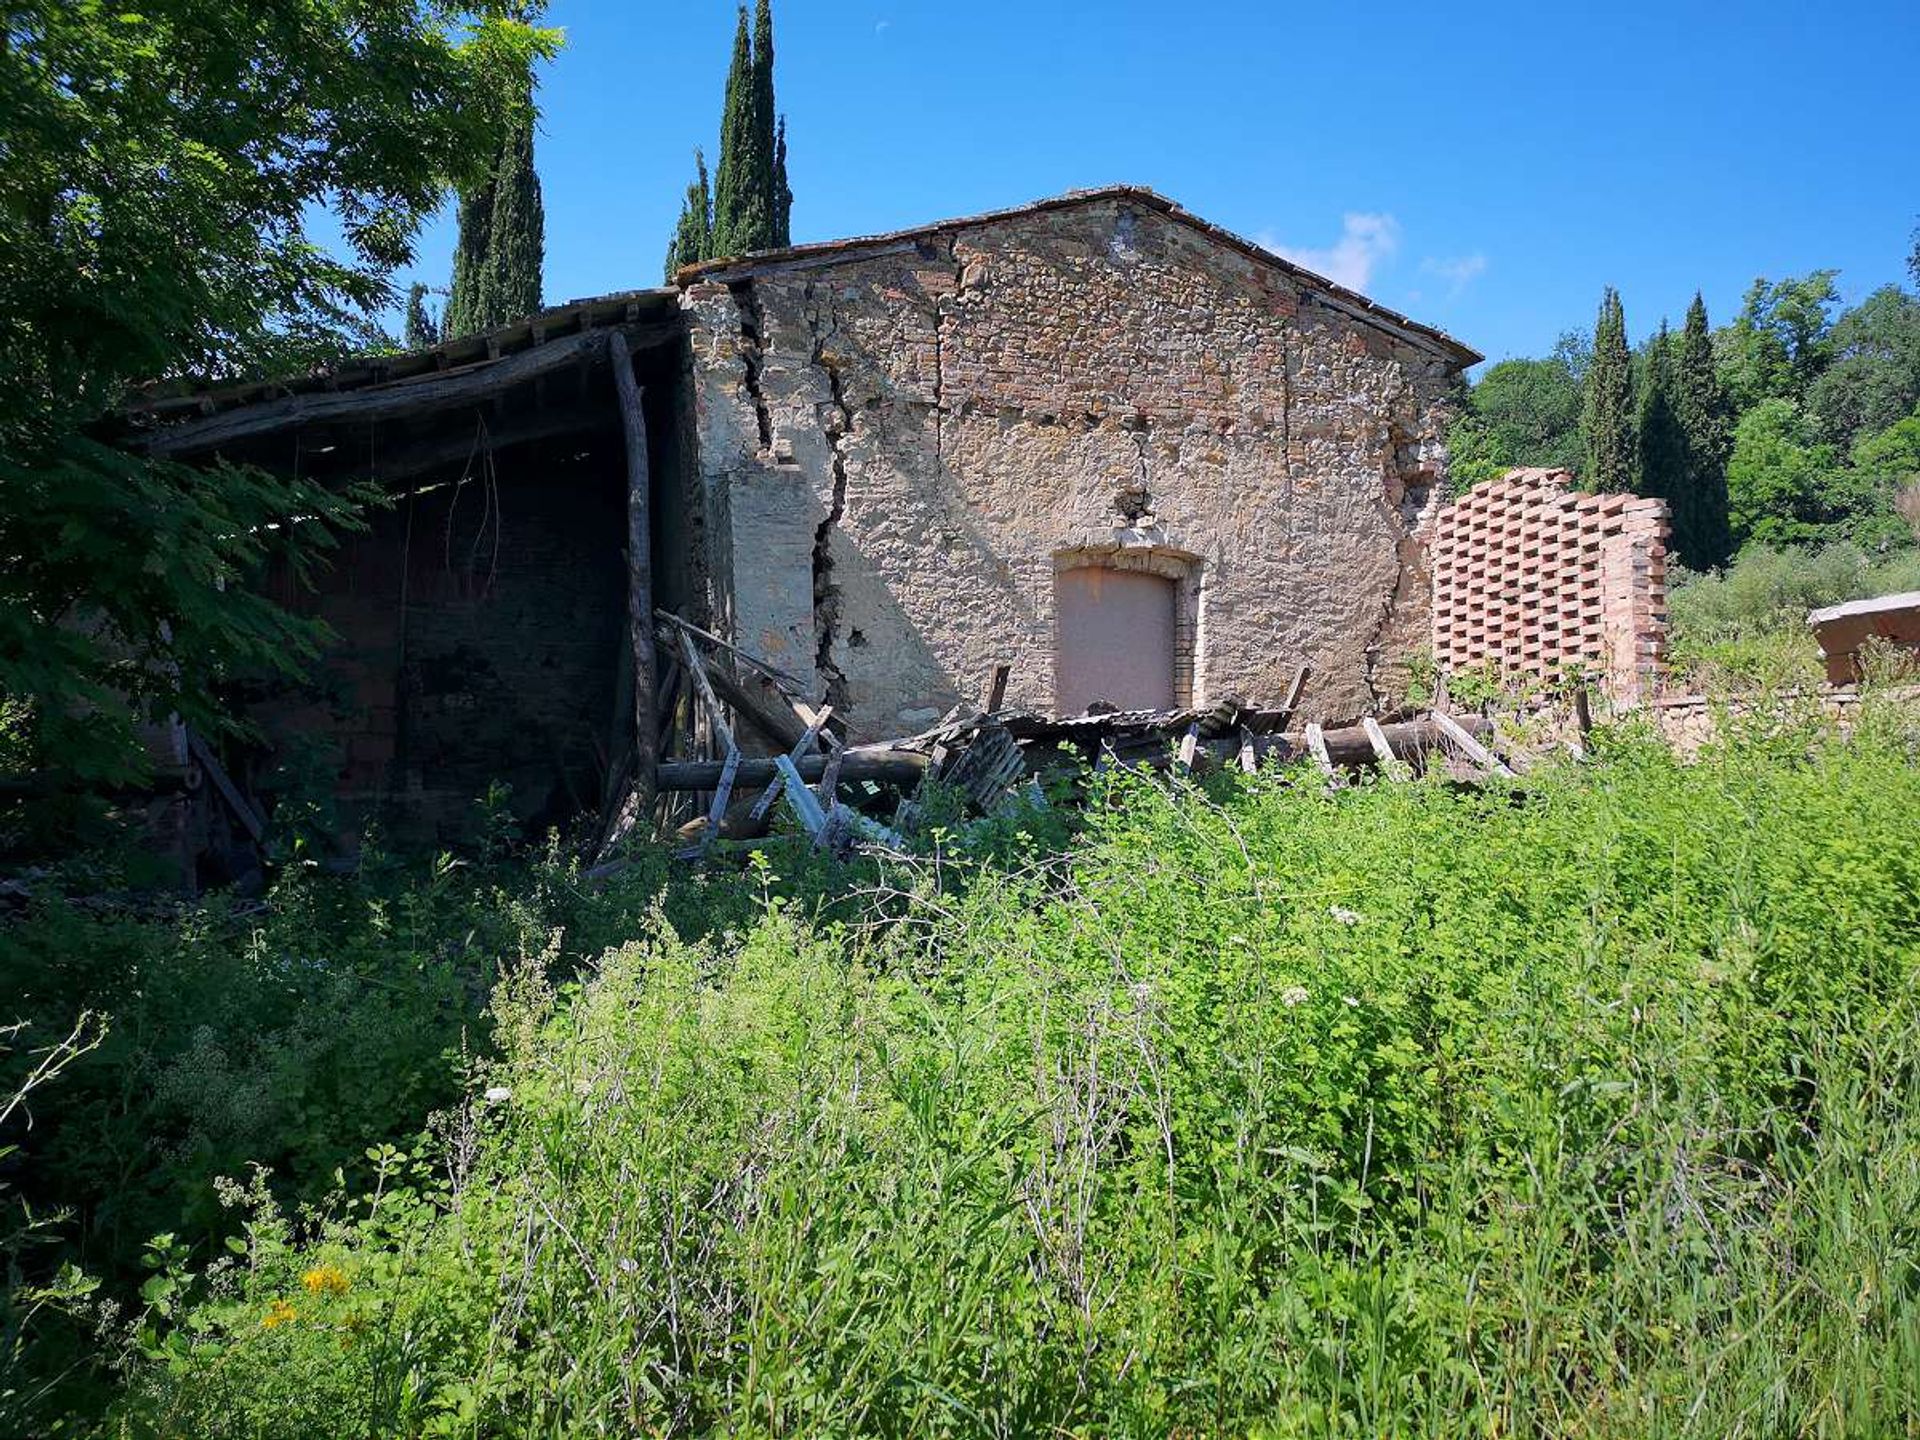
x,y
884,766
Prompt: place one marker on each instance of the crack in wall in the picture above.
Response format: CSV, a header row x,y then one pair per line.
x,y
752,352
826,594
1408,571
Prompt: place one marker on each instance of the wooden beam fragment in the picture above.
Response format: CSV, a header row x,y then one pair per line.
x,y
1317,743
883,764
697,672
646,678
1468,746
996,692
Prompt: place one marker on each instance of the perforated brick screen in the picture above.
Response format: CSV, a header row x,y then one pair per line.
x,y
1536,577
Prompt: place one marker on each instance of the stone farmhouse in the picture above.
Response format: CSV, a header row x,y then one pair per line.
x,y
1136,459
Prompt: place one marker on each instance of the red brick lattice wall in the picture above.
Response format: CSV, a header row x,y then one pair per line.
x,y
1535,577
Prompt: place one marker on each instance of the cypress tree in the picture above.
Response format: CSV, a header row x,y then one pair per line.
x,y
421,332
750,196
1659,443
692,239
497,264
742,219
1606,412
469,259
782,191
1702,535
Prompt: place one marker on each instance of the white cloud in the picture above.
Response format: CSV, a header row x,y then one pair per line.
x,y
1459,271
1365,242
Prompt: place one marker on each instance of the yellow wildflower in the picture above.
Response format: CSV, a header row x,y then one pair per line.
x,y
281,1312
325,1280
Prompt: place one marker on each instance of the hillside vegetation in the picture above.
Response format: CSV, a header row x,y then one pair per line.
x,y
1587,1107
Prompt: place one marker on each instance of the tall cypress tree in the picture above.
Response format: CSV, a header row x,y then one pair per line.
x,y
1606,412
782,191
469,258
497,264
692,239
421,333
750,196
1659,442
1702,535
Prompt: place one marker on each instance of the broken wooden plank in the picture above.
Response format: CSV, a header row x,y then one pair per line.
x,y
996,691
830,777
1317,744
750,660
722,793
801,748
802,801
1189,743
250,819
697,673
1296,689
883,764
778,726
1249,757
1391,765
1468,746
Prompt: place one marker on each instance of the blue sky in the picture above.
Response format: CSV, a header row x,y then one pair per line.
x,y
1486,168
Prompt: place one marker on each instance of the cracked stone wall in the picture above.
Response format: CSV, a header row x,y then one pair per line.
x,y
900,445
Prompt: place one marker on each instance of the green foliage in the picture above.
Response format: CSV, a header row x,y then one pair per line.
x,y
1780,340
1607,413
1702,531
497,261
1748,625
693,237
1786,485
1589,1108
751,200
1872,377
1660,444
421,333
161,167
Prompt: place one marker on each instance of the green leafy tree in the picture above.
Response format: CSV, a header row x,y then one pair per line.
x,y
1872,374
1701,533
1606,415
1779,342
1531,409
1660,444
692,239
782,191
497,262
421,332
1787,486
161,167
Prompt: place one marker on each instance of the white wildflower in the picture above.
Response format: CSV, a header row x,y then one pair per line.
x,y
1351,1001
1344,915
497,1095
1293,995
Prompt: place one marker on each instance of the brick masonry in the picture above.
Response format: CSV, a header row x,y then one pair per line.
x,y
901,444
1533,577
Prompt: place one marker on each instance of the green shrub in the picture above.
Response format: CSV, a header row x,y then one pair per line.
x,y
1588,1107
1748,624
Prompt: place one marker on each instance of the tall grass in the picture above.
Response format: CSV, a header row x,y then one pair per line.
x,y
1586,1108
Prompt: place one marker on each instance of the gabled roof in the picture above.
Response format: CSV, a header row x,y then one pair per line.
x,y
830,251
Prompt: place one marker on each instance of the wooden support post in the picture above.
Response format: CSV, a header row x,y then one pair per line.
x,y
1390,765
646,720
830,778
1188,745
1249,757
996,691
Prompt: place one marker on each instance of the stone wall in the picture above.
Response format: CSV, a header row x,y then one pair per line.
x,y
1532,577
902,443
